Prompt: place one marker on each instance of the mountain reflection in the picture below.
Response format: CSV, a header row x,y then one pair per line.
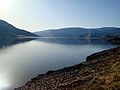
x,y
5,42
73,41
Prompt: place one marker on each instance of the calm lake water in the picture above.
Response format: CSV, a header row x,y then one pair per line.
x,y
21,60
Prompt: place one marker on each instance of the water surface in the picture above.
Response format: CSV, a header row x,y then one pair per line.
x,y
22,60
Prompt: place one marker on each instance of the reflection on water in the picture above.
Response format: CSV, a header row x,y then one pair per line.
x,y
72,41
4,81
22,61
4,42
4,77
4,69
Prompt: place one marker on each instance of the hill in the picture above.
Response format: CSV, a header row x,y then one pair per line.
x,y
81,32
8,30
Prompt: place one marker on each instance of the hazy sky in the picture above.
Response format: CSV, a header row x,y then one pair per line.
x,y
34,15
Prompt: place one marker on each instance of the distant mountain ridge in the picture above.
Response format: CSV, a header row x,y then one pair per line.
x,y
8,30
81,32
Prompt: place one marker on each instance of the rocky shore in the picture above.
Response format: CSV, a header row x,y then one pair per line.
x,y
100,71
115,40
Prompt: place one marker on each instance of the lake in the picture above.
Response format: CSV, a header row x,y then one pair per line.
x,y
21,60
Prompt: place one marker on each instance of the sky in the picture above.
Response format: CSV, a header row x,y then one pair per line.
x,y
37,15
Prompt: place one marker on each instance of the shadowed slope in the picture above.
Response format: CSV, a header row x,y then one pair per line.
x,y
8,30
